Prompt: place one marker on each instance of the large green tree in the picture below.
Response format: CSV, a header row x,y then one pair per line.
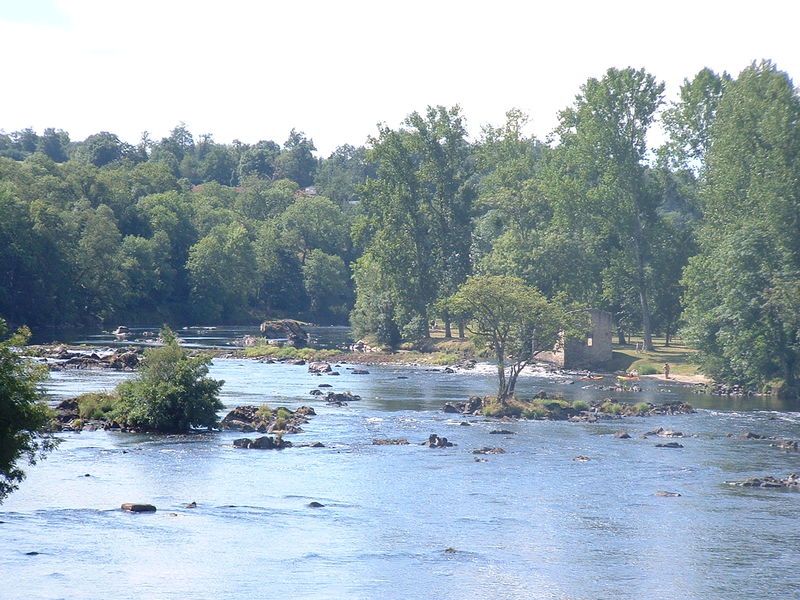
x,y
599,184
742,288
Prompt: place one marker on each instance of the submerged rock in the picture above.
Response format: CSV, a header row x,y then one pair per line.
x,y
581,458
785,444
622,435
389,442
790,482
665,494
670,445
487,450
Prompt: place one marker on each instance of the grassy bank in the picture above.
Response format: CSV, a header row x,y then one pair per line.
x,y
679,356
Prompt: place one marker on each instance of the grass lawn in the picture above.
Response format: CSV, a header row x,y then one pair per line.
x,y
627,358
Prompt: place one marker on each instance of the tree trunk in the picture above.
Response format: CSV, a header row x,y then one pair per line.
x,y
461,334
447,332
647,336
621,336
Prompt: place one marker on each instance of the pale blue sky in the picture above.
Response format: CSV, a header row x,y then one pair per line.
x,y
254,69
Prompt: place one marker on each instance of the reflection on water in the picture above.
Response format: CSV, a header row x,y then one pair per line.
x,y
530,523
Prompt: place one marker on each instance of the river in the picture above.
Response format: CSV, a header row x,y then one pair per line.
x,y
407,521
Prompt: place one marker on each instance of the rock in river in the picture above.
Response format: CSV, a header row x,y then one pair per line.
x,y
262,443
434,441
138,508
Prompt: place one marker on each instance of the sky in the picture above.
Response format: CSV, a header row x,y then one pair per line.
x,y
255,69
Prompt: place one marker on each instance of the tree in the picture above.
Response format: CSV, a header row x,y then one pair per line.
x,y
599,167
259,160
742,288
297,162
314,223
23,414
514,321
222,268
171,393
327,283
688,122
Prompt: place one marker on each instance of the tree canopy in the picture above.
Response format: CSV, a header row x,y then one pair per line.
x,y
23,413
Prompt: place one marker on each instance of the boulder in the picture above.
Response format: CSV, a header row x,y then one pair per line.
x,y
581,458
138,508
501,432
434,441
790,482
262,443
487,450
124,361
343,398
389,442
669,433
785,444
291,330
670,445
319,367
622,435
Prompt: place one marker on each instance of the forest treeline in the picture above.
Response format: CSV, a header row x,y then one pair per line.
x,y
701,234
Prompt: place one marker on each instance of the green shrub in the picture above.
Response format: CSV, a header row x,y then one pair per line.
x,y
283,413
95,405
580,405
641,408
279,425
493,408
171,392
264,412
612,408
535,412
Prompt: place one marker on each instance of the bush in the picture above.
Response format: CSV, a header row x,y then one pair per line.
x,y
95,405
580,405
641,408
264,412
171,393
535,412
612,408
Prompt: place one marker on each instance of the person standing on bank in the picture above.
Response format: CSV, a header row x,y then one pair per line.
x,y
666,370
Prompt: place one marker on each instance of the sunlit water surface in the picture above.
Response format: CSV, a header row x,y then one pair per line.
x,y
531,523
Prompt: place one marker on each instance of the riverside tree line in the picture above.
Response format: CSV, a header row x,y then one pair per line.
x,y
701,234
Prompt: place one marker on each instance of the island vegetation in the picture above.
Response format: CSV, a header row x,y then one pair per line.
x,y
424,225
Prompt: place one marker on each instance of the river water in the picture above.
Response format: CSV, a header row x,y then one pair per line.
x,y
531,523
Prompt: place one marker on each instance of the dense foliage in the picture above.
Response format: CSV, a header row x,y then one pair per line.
x,y
170,393
23,415
186,229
